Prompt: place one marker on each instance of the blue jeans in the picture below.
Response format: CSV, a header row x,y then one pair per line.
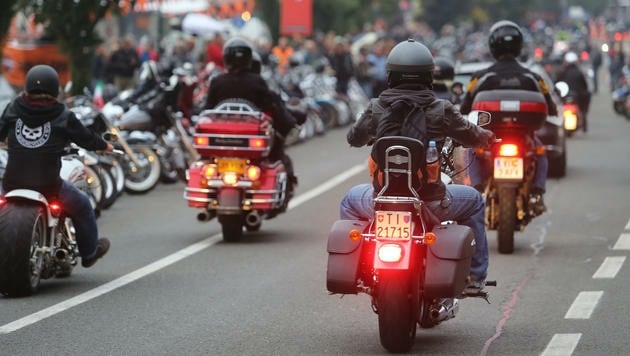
x,y
467,208
77,207
479,175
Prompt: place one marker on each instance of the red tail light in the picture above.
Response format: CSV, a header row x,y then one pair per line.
x,y
3,201
55,209
257,143
201,141
508,150
390,253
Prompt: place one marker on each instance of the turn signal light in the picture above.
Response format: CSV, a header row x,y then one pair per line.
x,y
230,178
570,120
253,173
354,235
508,150
2,201
55,209
257,142
390,253
201,141
210,171
430,238
541,150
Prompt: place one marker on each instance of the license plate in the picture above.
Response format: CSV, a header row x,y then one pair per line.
x,y
393,225
508,168
231,165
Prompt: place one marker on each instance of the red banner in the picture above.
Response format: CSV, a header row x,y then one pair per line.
x,y
296,17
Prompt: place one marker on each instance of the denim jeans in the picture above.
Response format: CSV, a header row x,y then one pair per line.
x,y
467,208
77,207
479,175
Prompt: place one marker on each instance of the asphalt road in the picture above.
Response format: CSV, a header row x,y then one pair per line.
x,y
170,285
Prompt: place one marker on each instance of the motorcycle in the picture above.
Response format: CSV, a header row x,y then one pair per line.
x,y
37,240
413,266
574,118
235,179
511,161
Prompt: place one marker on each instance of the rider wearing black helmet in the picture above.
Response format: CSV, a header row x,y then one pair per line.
x,y
37,128
410,69
241,83
505,42
443,76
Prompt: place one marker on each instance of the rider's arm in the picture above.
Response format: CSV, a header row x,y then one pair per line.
x,y
82,136
463,131
364,129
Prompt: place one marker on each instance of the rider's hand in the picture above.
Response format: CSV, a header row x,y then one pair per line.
x,y
489,138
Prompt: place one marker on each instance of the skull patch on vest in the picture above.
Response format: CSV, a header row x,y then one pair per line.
x,y
31,137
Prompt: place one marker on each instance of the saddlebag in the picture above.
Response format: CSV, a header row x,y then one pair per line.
x,y
448,261
344,257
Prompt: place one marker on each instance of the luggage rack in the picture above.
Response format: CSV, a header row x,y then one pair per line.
x,y
234,108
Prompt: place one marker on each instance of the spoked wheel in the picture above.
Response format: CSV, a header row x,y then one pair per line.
x,y
507,220
22,236
141,179
396,320
232,227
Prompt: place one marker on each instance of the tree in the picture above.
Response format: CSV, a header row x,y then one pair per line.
x,y
6,15
71,24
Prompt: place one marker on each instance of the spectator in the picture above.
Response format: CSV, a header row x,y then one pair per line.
x,y
596,62
146,51
283,52
214,51
341,63
123,64
378,59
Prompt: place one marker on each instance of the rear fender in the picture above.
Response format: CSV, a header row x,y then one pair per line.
x,y
32,196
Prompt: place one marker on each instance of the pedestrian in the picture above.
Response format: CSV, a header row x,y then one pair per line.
x,y
123,64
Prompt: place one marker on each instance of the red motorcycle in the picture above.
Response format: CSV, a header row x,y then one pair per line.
x,y
235,180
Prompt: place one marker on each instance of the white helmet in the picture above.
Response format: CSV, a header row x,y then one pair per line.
x,y
570,57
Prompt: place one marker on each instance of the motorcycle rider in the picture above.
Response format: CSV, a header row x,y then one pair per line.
x,y
38,127
443,76
575,78
505,42
409,79
240,83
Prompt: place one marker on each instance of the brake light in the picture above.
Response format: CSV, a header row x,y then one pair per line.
x,y
253,173
202,141
508,150
390,253
257,143
55,209
230,178
3,201
570,120
210,171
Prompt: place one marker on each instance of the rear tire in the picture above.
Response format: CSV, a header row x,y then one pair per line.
x,y
507,220
22,233
231,227
396,322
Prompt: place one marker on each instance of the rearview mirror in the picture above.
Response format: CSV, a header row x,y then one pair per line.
x,y
479,118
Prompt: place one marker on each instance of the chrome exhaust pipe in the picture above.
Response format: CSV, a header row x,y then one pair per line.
x,y
253,218
205,216
445,310
61,254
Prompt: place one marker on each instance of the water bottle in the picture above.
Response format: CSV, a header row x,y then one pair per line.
x,y
433,163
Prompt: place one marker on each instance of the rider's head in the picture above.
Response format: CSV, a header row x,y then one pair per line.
x,y
42,79
409,62
256,66
506,39
570,58
444,70
237,55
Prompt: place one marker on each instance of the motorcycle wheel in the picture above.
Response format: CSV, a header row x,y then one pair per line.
x,y
94,188
22,234
109,188
396,323
119,175
139,180
507,220
231,227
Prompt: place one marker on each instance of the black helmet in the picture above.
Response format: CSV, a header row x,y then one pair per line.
x,y
256,66
237,54
505,38
42,79
409,62
444,69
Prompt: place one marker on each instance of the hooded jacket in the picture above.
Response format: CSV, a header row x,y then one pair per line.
x,y
37,133
442,118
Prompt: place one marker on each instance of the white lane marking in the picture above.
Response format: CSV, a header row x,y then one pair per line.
x,y
623,243
562,345
610,267
628,225
584,304
162,263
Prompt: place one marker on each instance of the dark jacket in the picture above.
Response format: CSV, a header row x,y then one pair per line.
x,y
443,120
38,132
251,87
123,62
506,73
575,78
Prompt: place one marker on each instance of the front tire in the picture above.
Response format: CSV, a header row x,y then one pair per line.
x,y
507,220
140,180
396,322
22,234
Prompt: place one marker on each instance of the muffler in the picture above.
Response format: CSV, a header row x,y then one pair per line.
x,y
61,254
444,310
205,216
253,218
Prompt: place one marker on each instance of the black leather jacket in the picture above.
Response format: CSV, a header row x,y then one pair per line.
x,y
443,120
